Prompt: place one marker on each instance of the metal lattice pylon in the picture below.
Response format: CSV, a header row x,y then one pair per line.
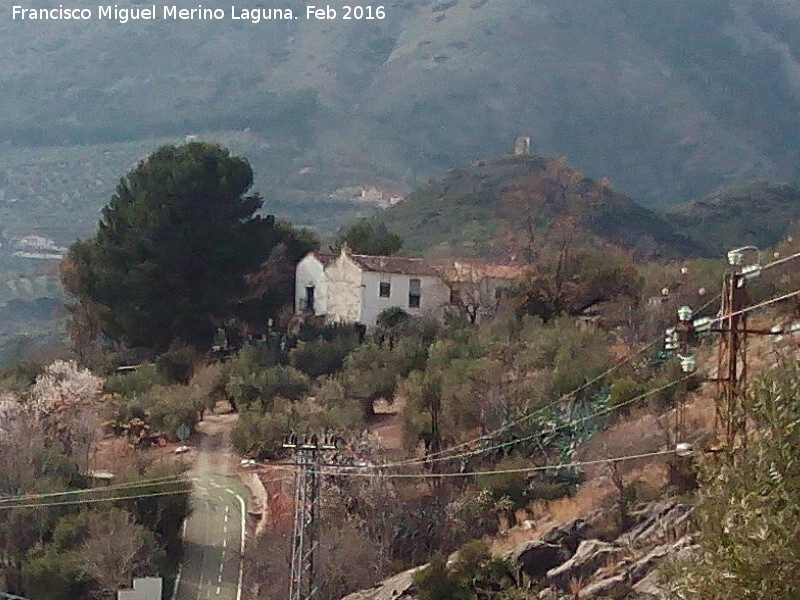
x,y
304,582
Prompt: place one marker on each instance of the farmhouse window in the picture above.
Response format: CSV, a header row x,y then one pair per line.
x,y
414,293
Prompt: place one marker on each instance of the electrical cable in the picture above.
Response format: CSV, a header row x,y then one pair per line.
x,y
780,261
572,423
503,471
537,411
132,484
94,500
755,306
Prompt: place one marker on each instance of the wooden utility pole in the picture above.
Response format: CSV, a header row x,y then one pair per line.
x,y
732,361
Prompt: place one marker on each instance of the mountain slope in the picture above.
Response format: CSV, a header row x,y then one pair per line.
x,y
509,205
668,99
759,213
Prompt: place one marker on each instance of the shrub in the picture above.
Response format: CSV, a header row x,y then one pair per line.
x,y
169,407
435,582
342,412
513,486
322,357
748,510
177,363
265,385
260,434
623,390
136,382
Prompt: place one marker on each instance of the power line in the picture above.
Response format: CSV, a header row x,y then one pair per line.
x,y
775,263
503,471
547,406
132,484
94,500
755,306
538,411
569,424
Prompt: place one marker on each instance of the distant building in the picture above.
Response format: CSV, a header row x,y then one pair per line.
x,y
522,146
479,288
355,288
38,247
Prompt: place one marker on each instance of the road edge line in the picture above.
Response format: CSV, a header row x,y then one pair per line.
x,y
180,565
241,549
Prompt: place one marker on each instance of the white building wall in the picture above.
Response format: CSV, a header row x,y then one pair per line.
x,y
433,295
345,291
311,272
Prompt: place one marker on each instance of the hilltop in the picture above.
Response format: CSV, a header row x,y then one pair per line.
x,y
506,206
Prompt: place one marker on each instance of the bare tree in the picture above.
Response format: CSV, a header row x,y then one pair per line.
x,y
117,549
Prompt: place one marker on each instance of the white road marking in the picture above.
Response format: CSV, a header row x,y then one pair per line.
x,y
203,561
180,566
217,590
224,543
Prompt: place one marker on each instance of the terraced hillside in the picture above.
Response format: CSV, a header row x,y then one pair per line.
x,y
668,99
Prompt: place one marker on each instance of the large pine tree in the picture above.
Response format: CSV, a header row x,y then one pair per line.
x,y
172,249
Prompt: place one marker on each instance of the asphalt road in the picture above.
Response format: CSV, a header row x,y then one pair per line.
x,y
213,538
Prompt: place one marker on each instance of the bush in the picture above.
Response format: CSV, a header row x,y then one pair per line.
x,y
622,392
177,363
19,377
265,385
513,486
134,383
170,407
260,434
322,357
435,582
748,509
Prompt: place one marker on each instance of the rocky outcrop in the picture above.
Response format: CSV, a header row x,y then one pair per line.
x,y
658,522
590,556
566,557
536,558
399,587
569,535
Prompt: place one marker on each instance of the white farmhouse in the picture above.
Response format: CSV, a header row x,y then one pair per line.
x,y
311,284
355,288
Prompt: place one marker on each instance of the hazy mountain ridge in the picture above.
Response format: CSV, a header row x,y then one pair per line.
x,y
669,100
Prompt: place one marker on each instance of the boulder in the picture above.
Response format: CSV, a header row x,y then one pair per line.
x,y
649,588
642,567
569,535
659,523
536,558
610,587
399,587
590,556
